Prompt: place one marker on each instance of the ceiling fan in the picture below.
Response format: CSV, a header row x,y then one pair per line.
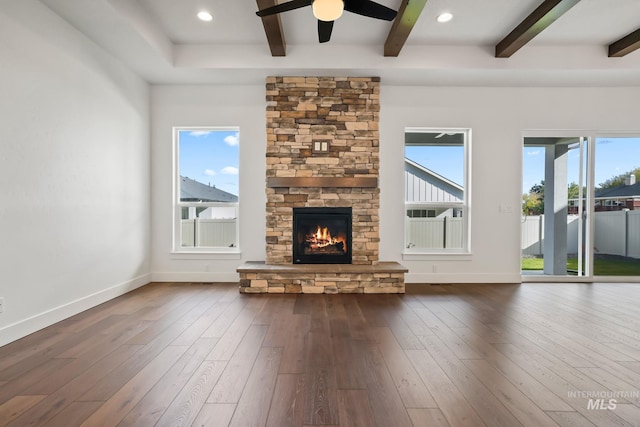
x,y
327,11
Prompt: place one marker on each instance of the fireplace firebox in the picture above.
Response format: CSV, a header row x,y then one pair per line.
x,y
322,235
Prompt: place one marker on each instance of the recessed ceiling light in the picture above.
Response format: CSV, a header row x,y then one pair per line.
x,y
205,16
444,17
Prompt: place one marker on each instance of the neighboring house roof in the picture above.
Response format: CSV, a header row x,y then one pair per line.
x,y
424,185
194,191
619,191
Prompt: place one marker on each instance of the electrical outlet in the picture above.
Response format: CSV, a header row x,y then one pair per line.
x,y
435,268
1,305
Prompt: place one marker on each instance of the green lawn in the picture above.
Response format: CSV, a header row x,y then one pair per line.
x,y
603,266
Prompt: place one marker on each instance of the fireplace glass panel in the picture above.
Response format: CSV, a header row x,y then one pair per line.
x,y
322,235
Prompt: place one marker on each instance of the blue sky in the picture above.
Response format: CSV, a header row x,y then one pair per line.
x,y
210,157
447,161
614,156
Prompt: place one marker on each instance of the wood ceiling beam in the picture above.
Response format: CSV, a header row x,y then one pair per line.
x,y
625,45
273,29
534,24
408,15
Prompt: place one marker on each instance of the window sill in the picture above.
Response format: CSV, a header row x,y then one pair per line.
x,y
437,256
208,255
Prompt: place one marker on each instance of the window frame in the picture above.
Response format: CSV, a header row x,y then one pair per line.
x,y
416,253
178,205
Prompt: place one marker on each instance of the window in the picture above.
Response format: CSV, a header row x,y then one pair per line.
x,y
436,190
206,190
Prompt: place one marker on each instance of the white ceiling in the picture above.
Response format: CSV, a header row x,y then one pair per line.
x,y
164,42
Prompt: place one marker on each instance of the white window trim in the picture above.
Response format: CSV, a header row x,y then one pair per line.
x,y
464,253
178,251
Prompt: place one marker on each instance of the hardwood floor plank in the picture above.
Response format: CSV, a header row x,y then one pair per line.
x,y
293,361
94,351
525,410
287,405
202,323
358,327
280,327
320,378
559,378
450,401
570,419
149,410
16,406
278,304
253,407
188,403
343,356
386,404
38,374
412,391
56,348
628,412
50,406
232,337
428,417
214,415
226,318
354,409
110,384
232,382
611,382
118,406
524,381
486,405
74,414
632,366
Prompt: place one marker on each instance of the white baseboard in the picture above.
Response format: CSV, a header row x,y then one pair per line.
x,y
34,323
461,278
205,276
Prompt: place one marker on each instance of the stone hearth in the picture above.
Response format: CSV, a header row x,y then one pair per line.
x,y
322,151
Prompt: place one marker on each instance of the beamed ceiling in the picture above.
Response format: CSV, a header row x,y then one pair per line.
x,y
488,42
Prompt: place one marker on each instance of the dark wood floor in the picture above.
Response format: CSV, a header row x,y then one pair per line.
x,y
463,355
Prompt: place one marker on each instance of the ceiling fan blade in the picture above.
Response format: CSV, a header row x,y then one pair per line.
x,y
324,30
284,7
370,8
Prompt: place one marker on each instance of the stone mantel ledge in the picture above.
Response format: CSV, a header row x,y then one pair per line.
x,y
322,182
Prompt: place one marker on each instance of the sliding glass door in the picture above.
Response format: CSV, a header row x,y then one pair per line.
x,y
554,206
581,206
616,217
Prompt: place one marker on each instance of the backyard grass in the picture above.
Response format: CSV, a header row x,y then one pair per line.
x,y
603,266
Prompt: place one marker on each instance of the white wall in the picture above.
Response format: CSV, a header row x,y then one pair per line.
x,y
497,117
74,172
242,106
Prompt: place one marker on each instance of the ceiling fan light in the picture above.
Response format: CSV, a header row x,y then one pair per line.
x,y
327,10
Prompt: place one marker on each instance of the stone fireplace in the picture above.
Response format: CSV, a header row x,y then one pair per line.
x,y
322,156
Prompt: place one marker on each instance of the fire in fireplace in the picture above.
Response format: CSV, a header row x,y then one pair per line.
x,y
322,235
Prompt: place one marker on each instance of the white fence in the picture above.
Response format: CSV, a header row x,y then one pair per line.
x,y
616,233
208,232
434,233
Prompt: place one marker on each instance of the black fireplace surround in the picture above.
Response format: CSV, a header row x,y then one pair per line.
x,y
322,235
